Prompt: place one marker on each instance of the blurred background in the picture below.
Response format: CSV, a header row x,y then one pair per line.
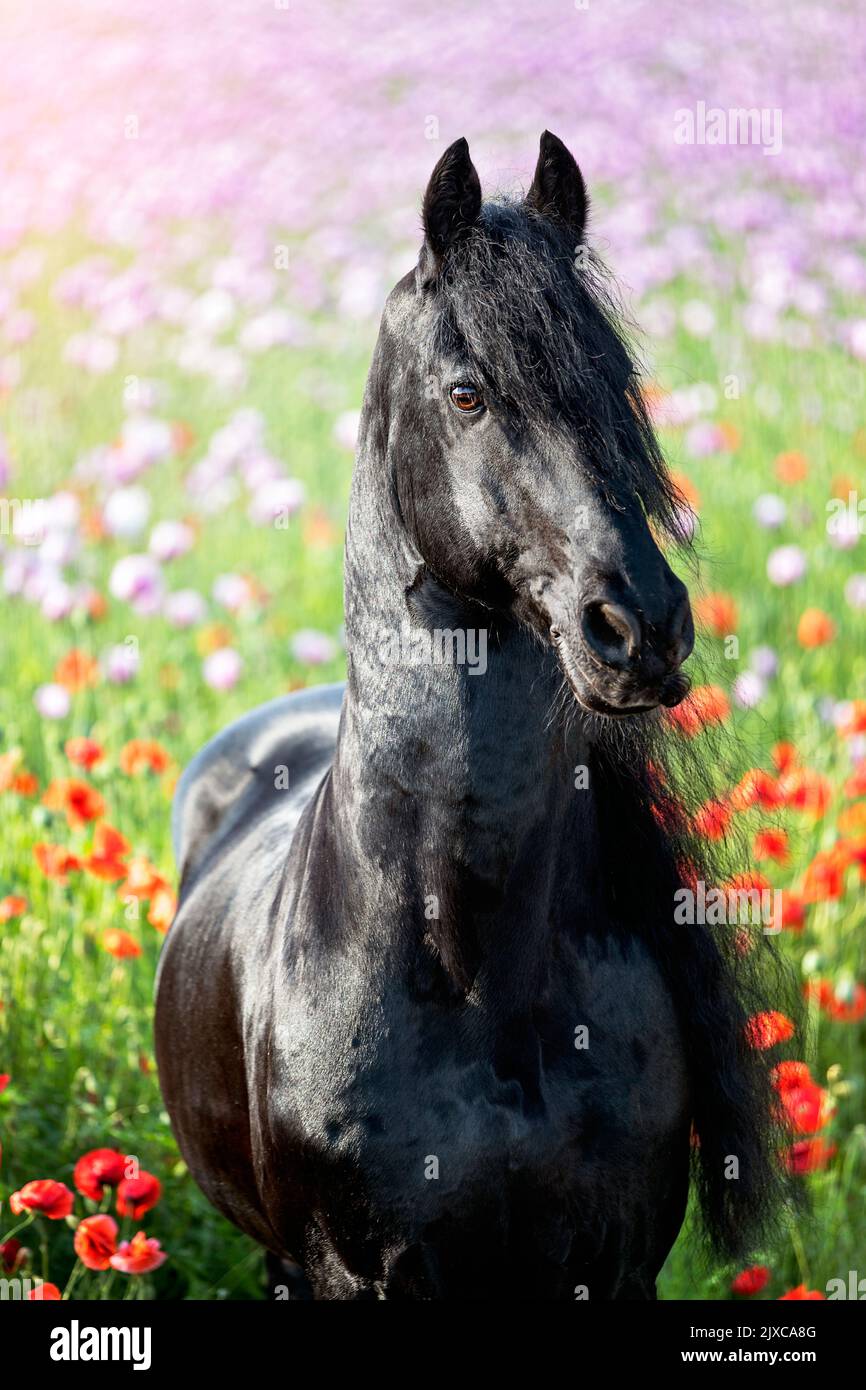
x,y
202,210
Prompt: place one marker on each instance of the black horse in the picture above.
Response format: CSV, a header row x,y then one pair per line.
x,y
425,1026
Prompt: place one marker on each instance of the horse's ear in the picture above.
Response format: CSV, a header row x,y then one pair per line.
x,y
452,201
557,189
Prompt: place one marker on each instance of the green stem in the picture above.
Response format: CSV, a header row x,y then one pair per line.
x,y
31,1216
73,1278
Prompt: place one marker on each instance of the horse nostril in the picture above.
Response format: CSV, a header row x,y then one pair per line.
x,y
682,638
612,632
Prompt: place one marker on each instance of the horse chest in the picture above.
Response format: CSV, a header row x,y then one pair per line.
x,y
538,1135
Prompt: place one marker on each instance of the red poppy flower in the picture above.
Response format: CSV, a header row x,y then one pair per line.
x,y
687,490
791,467
45,1293
98,1169
815,628
142,879
12,1255
712,820
109,849
854,721
783,756
753,882
834,1002
84,752
824,879
855,785
25,784
771,844
755,788
809,1156
805,790
793,911
5,1078
139,1255
13,906
163,906
78,800
45,1197
790,1075
76,670
808,1108
717,613
800,1292
55,861
120,944
707,704
751,1281
96,1241
135,1196
141,754
767,1029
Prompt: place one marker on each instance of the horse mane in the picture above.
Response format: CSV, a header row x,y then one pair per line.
x,y
539,324
545,336
649,782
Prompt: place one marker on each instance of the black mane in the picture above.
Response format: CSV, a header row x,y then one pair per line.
x,y
538,323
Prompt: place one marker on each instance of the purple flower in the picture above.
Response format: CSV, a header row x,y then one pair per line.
x,y
704,438
137,580
786,565
770,511
313,648
346,428
764,662
169,539
58,601
121,663
222,669
843,531
52,701
277,499
232,591
857,338
748,689
184,608
855,591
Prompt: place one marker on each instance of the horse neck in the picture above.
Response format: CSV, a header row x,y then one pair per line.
x,y
459,789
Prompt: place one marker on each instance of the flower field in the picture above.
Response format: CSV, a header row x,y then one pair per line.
x,y
198,227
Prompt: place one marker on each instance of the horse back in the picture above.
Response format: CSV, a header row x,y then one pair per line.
x,y
269,761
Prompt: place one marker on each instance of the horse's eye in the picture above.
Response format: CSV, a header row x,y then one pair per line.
x,y
466,398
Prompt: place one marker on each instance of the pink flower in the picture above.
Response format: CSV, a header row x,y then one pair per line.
x,y
52,701
184,608
232,591
786,565
121,664
139,1255
137,580
222,669
770,511
313,648
170,539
